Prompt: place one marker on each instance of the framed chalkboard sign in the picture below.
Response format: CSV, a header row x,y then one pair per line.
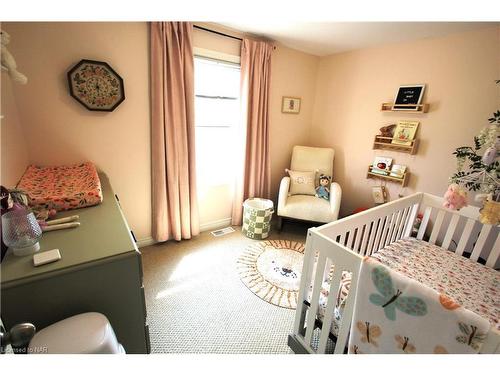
x,y
408,97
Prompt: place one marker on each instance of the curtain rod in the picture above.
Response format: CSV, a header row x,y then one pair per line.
x,y
217,32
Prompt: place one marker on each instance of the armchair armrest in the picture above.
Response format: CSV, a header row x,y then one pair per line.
x,y
283,193
335,197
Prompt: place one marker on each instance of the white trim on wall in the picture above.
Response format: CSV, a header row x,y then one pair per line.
x,y
217,224
145,242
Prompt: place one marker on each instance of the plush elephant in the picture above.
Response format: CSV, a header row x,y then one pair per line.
x,y
8,61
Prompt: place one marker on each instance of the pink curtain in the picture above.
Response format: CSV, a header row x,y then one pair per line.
x,y
174,201
255,180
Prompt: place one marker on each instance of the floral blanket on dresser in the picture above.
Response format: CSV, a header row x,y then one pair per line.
x,y
396,314
62,187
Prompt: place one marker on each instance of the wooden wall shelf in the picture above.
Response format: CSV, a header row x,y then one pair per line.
x,y
421,108
403,181
385,143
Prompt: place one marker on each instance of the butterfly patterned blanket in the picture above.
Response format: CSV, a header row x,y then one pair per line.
x,y
395,314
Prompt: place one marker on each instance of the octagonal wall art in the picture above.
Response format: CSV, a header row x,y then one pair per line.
x,y
96,85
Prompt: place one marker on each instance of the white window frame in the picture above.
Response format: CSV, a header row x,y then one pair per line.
x,y
228,59
216,55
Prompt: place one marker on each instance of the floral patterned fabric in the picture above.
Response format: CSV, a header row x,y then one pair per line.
x,y
339,304
345,283
467,283
63,187
394,314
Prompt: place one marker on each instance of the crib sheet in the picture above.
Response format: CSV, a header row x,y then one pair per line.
x,y
62,187
470,284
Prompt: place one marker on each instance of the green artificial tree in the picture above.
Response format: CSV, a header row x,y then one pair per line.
x,y
478,168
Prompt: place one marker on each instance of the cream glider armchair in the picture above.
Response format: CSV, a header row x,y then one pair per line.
x,y
309,207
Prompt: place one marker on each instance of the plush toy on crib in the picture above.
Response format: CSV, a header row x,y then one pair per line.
x,y
8,61
322,191
455,197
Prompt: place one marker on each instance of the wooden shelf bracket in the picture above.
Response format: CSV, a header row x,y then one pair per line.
x,y
385,143
413,108
403,181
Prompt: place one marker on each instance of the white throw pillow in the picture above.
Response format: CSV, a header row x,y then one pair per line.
x,y
302,183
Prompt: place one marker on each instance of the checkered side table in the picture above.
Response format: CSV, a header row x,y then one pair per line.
x,y
257,214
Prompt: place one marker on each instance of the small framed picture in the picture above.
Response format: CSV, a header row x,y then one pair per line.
x,y
408,97
290,105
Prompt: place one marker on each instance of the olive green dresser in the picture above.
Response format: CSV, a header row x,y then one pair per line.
x,y
100,270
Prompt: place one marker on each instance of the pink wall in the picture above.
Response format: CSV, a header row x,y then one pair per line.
x,y
59,130
293,74
459,71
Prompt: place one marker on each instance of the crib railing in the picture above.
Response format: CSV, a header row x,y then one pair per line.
x,y
345,242
317,268
459,231
371,230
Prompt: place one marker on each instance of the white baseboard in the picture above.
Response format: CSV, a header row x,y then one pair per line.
x,y
217,224
145,242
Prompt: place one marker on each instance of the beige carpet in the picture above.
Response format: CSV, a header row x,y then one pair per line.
x,y
197,303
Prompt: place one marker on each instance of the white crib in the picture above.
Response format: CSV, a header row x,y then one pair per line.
x,y
345,242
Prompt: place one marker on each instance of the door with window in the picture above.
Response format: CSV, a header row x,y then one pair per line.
x,y
217,114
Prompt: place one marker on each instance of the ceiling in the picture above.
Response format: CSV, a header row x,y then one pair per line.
x,y
322,38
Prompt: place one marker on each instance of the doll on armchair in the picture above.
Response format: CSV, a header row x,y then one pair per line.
x,y
322,191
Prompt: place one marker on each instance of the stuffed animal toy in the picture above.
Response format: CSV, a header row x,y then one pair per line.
x,y
13,199
417,223
490,212
8,61
322,191
455,197
387,131
490,155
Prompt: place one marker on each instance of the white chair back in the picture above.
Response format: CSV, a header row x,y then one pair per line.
x,y
307,159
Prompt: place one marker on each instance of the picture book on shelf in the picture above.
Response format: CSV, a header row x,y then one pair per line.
x,y
398,171
405,132
381,165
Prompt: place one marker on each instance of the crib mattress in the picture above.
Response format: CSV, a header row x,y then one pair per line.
x,y
468,283
62,187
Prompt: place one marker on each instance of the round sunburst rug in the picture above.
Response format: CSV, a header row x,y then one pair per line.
x,y
271,269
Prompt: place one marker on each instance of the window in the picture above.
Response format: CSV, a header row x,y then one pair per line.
x,y
217,113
